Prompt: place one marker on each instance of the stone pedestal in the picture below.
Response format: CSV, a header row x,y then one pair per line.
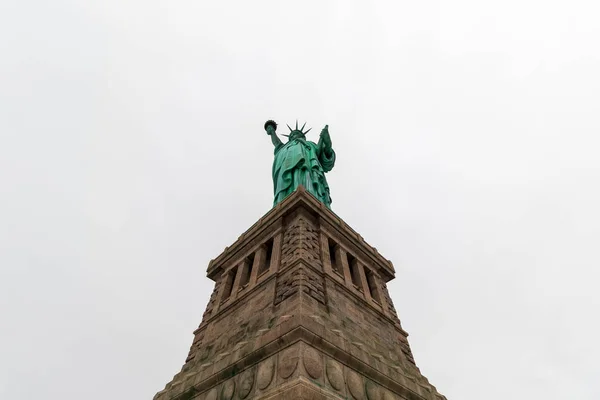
x,y
300,310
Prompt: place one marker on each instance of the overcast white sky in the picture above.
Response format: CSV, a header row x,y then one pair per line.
x,y
132,152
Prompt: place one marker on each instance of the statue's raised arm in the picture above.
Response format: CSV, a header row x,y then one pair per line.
x,y
301,162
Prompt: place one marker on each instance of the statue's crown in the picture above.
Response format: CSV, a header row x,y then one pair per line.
x,y
298,131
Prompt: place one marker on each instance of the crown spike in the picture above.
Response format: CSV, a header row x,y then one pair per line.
x,y
296,123
302,129
307,131
289,127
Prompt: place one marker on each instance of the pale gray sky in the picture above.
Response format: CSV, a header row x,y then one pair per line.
x,y
132,152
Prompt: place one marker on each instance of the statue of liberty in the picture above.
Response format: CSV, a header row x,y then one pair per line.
x,y
301,162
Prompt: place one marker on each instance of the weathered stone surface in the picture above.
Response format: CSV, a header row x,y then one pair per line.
x,y
288,361
246,382
212,395
312,284
355,385
287,286
300,240
388,396
373,391
313,363
265,372
335,374
257,328
228,390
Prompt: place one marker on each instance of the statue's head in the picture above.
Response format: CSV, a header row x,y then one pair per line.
x,y
297,133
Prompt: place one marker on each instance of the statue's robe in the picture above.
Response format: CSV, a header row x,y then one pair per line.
x,y
301,162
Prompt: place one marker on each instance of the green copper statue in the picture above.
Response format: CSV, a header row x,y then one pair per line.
x,y
301,162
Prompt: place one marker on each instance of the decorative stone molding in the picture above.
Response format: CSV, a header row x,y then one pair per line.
x,y
312,284
335,374
312,363
245,383
265,373
287,286
300,240
288,361
355,385
228,390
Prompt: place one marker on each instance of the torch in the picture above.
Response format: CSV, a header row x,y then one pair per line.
x,y
270,127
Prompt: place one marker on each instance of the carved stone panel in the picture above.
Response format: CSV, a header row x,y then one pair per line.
x,y
264,375
304,279
313,363
300,240
228,390
287,286
245,383
312,284
288,361
335,374
355,385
